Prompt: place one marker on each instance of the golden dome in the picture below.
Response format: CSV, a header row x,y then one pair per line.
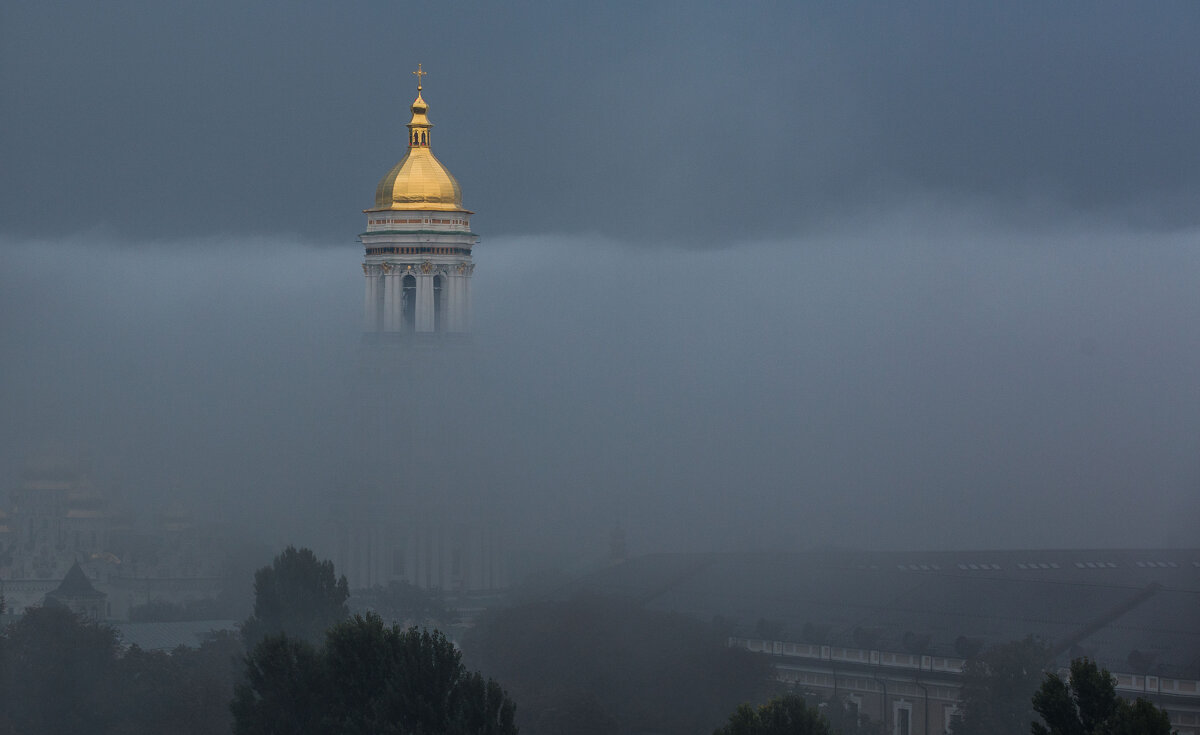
x,y
419,181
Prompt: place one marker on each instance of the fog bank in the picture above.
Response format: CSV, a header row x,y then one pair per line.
x,y
928,379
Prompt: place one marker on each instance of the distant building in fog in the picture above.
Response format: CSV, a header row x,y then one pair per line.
x,y
52,517
77,594
64,540
890,631
401,517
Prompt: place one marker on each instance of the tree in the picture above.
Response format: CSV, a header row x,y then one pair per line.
x,y
367,678
1140,718
282,690
786,715
184,692
1087,704
404,603
297,595
607,664
55,673
845,718
997,686
60,673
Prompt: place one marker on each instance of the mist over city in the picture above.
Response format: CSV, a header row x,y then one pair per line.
x,y
763,295
914,382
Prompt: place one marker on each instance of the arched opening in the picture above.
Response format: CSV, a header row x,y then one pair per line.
x,y
409,287
439,304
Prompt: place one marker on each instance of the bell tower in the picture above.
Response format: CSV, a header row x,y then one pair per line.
x,y
413,508
418,244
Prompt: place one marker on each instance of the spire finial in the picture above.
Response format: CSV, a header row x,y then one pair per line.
x,y
418,74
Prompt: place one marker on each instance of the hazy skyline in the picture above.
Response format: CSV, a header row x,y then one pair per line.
x,y
767,276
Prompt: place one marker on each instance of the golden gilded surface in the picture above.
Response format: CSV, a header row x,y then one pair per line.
x,y
419,181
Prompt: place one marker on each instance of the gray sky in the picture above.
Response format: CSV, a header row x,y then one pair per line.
x,y
687,122
752,276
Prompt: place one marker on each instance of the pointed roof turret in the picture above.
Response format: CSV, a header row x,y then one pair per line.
x,y
77,594
75,584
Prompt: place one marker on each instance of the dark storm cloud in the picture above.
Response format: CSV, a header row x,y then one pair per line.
x,y
681,122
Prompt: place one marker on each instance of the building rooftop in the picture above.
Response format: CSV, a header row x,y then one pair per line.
x,y
76,584
1126,608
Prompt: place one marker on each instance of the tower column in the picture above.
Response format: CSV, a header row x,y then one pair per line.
x,y
391,299
371,301
451,301
460,301
424,316
466,294
385,282
463,320
397,300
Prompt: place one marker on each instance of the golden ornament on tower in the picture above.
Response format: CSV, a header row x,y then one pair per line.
x,y
419,181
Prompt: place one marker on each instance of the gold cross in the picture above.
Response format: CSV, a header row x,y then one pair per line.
x,y
418,73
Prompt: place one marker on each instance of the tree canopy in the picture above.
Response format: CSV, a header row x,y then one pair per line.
x,y
846,718
998,684
1087,704
55,667
60,673
298,595
605,665
367,678
785,715
403,603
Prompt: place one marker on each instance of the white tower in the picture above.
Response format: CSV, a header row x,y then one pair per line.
x,y
418,244
414,511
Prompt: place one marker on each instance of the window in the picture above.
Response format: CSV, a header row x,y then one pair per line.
x,y
409,301
902,714
853,705
948,713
